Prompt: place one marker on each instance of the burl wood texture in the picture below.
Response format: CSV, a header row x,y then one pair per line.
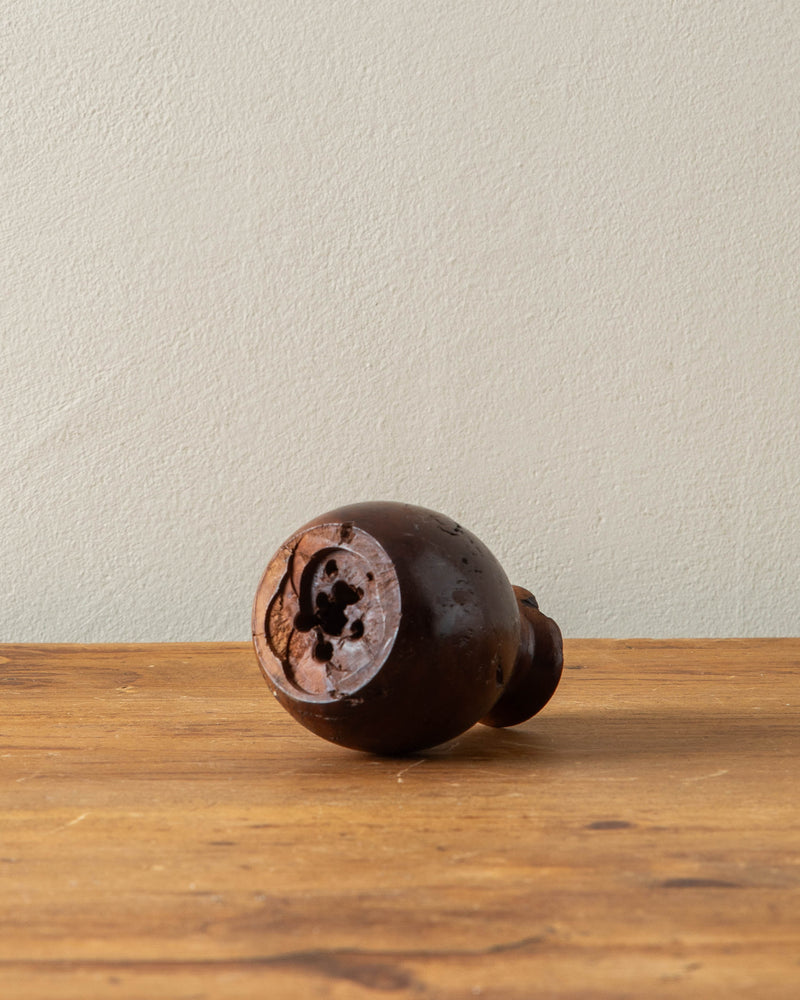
x,y
168,831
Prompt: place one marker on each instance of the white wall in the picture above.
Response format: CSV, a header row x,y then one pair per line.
x,y
531,264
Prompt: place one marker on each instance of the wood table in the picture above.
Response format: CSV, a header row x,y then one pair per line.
x,y
167,831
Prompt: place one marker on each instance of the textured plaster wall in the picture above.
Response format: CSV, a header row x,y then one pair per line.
x,y
532,264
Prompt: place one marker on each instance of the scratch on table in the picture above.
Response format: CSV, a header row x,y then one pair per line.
x,y
71,822
705,777
407,769
626,778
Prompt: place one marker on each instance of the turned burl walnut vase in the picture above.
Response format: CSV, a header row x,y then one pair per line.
x,y
390,628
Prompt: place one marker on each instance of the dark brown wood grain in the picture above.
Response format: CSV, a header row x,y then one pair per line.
x,y
166,830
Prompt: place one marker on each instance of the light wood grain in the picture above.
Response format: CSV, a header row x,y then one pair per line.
x,y
167,831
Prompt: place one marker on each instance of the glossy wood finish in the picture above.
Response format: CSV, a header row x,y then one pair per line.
x,y
166,830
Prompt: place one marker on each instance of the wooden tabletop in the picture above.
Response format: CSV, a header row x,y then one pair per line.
x,y
167,831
